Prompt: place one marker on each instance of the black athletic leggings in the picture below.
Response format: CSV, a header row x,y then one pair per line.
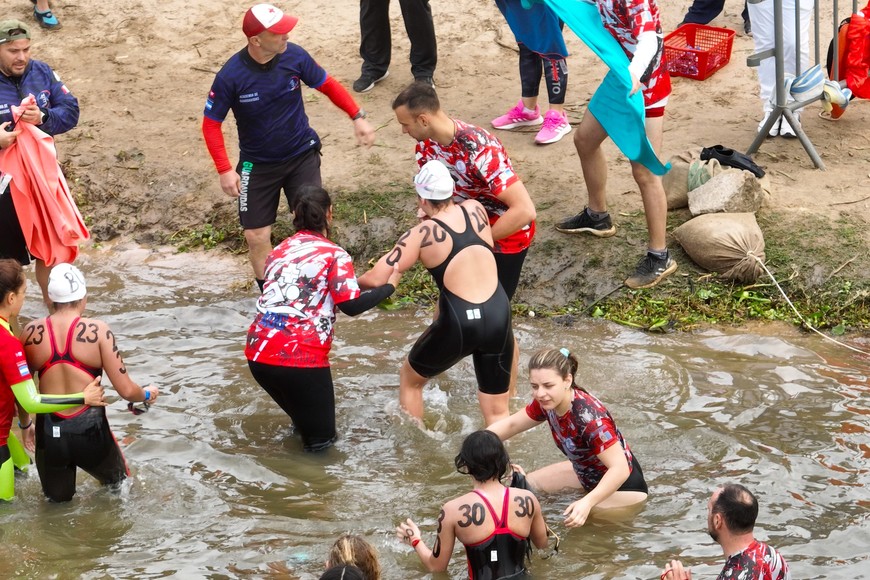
x,y
555,72
306,395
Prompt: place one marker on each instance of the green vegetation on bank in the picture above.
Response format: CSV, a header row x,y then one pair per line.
x,y
816,262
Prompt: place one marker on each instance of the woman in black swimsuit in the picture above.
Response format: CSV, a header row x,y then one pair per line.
x,y
454,242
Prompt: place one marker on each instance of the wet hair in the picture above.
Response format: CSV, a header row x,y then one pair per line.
x,y
483,456
557,359
343,572
418,97
354,550
11,277
310,208
739,508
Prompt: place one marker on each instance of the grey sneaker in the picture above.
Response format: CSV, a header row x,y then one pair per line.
x,y
367,82
582,223
650,271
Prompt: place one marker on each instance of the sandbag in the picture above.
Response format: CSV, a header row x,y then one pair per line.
x,y
687,172
724,243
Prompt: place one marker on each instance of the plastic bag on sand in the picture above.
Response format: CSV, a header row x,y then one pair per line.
x,y
724,243
687,172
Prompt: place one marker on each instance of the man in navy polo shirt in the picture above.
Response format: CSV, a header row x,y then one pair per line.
x,y
56,111
261,84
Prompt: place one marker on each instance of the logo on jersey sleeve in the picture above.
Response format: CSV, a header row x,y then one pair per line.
x,y
22,367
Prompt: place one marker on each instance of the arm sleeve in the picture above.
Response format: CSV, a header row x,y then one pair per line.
x,y
339,96
33,402
63,111
648,46
366,300
214,141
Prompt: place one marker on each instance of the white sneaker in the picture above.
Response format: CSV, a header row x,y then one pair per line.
x,y
774,129
786,129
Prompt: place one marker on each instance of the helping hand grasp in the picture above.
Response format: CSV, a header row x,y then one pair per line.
x,y
95,394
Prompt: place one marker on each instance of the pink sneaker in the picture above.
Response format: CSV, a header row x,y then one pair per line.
x,y
517,117
555,127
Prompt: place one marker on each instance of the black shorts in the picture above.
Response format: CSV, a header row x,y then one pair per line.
x,y
83,440
463,328
635,481
306,395
509,268
262,184
12,244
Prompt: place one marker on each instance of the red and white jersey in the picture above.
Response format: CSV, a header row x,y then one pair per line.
x,y
482,170
628,19
306,276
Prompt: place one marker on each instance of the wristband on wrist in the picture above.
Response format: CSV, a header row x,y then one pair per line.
x,y
20,426
147,395
361,114
414,542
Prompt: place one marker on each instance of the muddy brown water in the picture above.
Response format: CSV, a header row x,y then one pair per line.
x,y
221,488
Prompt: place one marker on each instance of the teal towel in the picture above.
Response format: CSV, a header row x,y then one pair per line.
x,y
621,115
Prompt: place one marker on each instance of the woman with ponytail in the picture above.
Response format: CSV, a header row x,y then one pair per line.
x,y
600,463
307,277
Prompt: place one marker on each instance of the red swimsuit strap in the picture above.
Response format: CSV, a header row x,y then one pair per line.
x,y
500,524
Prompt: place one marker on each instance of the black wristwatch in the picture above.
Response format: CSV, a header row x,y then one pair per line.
x,y
361,114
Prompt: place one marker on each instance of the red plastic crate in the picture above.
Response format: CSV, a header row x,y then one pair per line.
x,y
697,51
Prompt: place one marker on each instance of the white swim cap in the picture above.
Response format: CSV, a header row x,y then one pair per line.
x,y
66,284
434,181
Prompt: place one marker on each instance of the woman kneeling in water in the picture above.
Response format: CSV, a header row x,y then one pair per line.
x,y
599,460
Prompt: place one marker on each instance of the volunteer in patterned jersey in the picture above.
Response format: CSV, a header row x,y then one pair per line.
x,y
600,463
495,523
731,514
16,383
636,25
56,111
67,352
261,84
454,242
288,344
481,169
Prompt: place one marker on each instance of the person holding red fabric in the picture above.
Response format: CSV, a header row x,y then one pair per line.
x,y
261,84
600,463
307,277
55,111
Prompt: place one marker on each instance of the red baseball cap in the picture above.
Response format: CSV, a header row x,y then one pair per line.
x,y
265,17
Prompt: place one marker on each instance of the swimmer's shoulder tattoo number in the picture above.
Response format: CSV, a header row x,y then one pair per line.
x,y
35,334
472,514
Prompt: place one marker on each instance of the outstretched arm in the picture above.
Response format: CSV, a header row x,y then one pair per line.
x,y
342,99
437,558
510,426
32,401
403,255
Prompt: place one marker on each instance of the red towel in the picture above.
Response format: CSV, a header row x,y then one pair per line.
x,y
49,218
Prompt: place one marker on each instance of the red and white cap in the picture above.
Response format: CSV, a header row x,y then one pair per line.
x,y
265,17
